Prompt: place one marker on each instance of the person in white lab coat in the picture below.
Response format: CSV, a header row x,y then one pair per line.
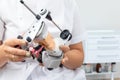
x,y
15,19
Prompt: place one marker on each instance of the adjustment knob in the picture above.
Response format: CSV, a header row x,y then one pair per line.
x,y
28,39
19,37
65,34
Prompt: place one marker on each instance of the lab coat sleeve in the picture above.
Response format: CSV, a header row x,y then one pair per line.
x,y
2,29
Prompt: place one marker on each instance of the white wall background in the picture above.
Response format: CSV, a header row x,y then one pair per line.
x,y
100,14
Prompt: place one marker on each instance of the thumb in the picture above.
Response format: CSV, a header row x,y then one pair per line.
x,y
65,59
64,48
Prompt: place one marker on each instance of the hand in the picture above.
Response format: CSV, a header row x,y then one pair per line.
x,y
73,55
9,53
65,50
48,42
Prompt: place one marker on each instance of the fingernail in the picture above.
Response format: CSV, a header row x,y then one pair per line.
x,y
28,54
64,60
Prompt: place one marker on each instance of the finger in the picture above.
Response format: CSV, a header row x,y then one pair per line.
x,y
15,58
43,42
64,48
15,51
1,42
64,60
13,42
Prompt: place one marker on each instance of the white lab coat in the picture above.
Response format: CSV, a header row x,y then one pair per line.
x,y
17,19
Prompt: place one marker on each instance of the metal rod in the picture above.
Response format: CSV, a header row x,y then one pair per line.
x,y
28,8
56,25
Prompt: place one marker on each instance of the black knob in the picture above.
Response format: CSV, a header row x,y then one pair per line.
x,y
28,39
65,34
22,1
38,17
19,37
